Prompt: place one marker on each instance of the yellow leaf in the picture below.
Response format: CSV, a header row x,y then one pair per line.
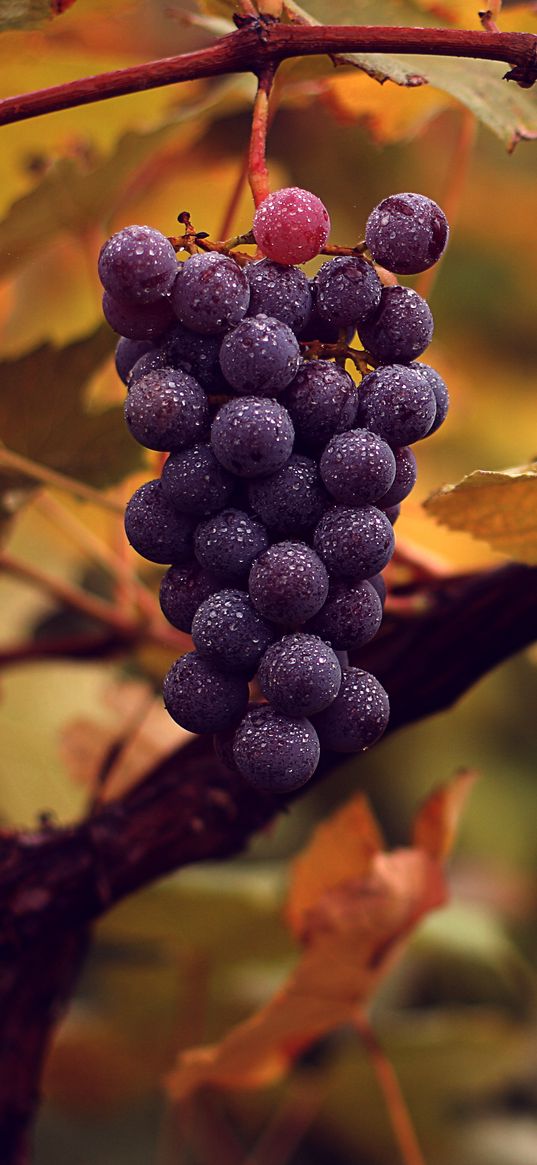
x,y
497,507
359,912
391,114
436,822
341,848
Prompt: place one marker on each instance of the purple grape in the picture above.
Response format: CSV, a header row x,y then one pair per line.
x,y
156,358
200,697
397,403
357,467
290,501
198,354
354,543
288,583
299,675
252,436
275,753
167,410
407,233
404,480
227,543
441,395
155,529
377,581
400,329
322,401
280,292
195,482
210,294
358,716
392,513
317,329
137,265
133,321
343,658
182,589
223,744
260,357
347,290
351,615
227,630
291,225
127,353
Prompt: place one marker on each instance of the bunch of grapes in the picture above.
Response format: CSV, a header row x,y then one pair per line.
x,y
274,510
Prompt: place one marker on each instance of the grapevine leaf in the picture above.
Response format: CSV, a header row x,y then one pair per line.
x,y
43,414
353,906
436,822
496,507
29,13
478,85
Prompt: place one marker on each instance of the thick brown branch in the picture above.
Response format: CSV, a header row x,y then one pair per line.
x,y
247,51
192,810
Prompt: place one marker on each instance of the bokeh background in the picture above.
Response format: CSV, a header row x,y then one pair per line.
x,y
180,962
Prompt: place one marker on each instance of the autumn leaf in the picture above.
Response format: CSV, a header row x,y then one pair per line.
x,y
498,507
29,13
353,905
43,414
436,822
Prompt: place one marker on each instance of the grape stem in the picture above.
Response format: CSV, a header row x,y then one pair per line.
x,y
400,1119
245,51
258,175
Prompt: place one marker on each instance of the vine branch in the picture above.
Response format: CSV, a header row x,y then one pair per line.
x,y
249,51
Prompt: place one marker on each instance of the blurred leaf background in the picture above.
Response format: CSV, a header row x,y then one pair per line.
x,y
181,961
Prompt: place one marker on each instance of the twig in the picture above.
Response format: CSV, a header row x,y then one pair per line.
x,y
52,477
400,1118
67,593
258,175
291,1121
245,51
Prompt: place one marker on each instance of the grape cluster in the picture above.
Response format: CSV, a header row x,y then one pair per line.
x,y
274,510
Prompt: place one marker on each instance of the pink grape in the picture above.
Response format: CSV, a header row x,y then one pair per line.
x,y
291,225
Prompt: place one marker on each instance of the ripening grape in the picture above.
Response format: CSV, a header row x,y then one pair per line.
x,y
283,293
202,698
397,403
182,589
288,583
273,752
407,233
155,529
291,225
290,501
167,410
352,614
260,356
252,436
358,716
357,467
400,329
347,290
404,480
322,400
229,631
441,395
354,543
137,321
228,543
127,353
137,265
299,675
210,294
195,482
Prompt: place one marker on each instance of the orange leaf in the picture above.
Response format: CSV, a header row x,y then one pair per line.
x,y
436,822
353,906
341,848
391,114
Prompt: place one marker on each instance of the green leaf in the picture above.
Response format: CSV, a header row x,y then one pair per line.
x,y
502,106
43,414
496,507
29,13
